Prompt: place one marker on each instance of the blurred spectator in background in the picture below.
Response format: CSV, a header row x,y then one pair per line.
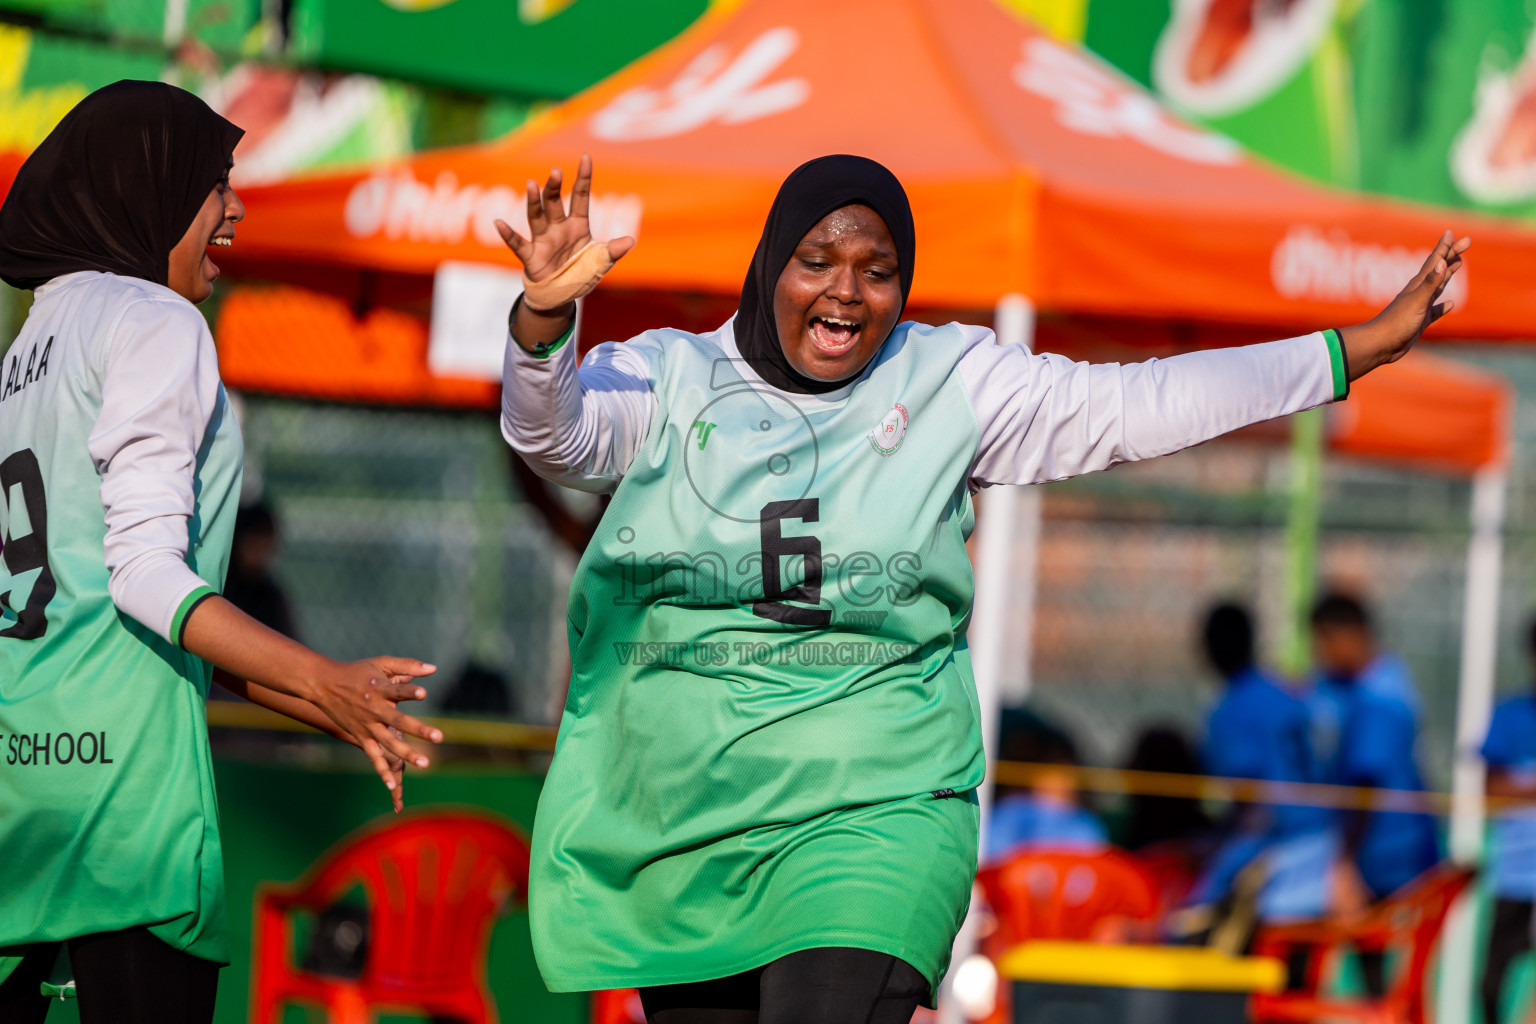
x,y
1344,644
1377,732
1159,820
479,690
251,586
1046,813
1510,751
1258,730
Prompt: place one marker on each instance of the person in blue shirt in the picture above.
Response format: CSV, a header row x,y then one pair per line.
x,y
1510,753
1047,814
1380,672
1377,730
1258,730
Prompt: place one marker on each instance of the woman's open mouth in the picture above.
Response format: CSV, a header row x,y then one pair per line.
x,y
833,336
221,242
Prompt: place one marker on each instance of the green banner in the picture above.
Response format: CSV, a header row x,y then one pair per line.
x,y
540,48
221,24
295,120
1428,100
42,76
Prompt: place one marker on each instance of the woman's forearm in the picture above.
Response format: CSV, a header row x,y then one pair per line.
x,y
576,426
227,638
289,707
532,328
359,698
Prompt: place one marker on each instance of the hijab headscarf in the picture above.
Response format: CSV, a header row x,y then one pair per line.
x,y
813,190
114,186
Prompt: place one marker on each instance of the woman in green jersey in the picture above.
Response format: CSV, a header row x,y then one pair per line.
x,y
120,463
762,806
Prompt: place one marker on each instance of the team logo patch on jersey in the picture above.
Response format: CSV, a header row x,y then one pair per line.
x,y
888,434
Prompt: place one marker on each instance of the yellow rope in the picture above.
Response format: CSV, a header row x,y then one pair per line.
x,y
469,731
1212,787
1121,781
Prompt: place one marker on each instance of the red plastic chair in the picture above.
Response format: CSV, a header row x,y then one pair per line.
x,y
1408,921
617,1006
1043,894
1051,894
435,882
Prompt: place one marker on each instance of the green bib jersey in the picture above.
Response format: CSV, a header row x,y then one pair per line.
x,y
771,740
120,461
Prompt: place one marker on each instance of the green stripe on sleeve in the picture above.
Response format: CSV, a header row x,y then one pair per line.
x,y
542,350
191,601
1337,363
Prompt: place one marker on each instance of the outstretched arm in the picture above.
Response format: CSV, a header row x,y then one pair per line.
x,y
160,391
1045,417
580,428
359,698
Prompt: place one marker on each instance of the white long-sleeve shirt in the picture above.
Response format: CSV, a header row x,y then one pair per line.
x,y
1041,417
132,367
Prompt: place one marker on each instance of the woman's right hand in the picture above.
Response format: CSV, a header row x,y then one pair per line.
x,y
557,236
361,698
357,699
1387,337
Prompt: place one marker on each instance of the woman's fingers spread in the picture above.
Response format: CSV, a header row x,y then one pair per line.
x,y
554,209
516,242
538,223
619,246
1443,279
380,762
397,719
401,689
581,192
395,666
1442,247
395,744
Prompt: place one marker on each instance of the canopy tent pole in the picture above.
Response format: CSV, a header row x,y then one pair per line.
x,y
1474,707
994,615
1301,529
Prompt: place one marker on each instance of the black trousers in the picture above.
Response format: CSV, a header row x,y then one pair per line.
x,y
1511,936
127,977
833,985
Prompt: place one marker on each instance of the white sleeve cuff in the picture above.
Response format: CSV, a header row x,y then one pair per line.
x,y
160,591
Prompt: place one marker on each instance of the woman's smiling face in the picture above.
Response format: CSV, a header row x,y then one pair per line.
x,y
839,295
191,273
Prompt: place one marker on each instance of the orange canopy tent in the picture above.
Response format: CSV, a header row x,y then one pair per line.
x,y
1033,167
1427,412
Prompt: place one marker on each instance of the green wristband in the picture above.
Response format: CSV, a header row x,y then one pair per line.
x,y
1338,362
543,350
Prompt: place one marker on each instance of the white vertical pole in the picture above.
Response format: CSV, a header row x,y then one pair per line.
x,y
1016,684
993,618
1474,707
175,24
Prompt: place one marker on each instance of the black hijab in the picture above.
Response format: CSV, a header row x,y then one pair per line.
x,y
813,190
114,186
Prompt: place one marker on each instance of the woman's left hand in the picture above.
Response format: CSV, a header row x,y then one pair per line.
x,y
1387,337
397,772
